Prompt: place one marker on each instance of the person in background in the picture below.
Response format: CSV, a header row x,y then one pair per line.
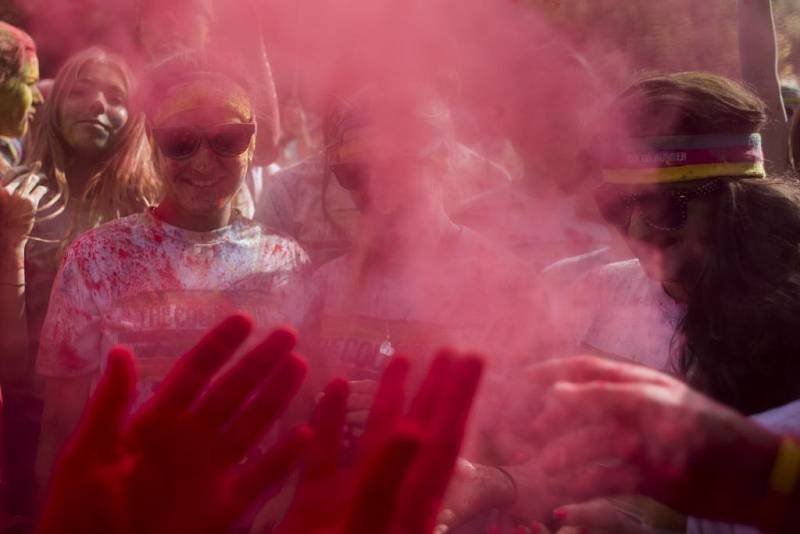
x,y
790,92
157,279
19,94
414,279
758,52
305,201
88,163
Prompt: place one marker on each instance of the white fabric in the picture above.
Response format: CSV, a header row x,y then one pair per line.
x,y
140,282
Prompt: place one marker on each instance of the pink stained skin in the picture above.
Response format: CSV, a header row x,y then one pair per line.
x,y
330,499
615,429
175,464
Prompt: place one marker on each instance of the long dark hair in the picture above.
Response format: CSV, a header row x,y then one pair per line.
x,y
739,340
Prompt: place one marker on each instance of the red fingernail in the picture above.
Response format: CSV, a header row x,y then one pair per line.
x,y
560,514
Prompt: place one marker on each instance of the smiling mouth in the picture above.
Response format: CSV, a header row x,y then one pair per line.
x,y
201,182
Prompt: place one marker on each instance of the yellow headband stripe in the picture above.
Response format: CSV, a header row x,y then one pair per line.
x,y
685,173
201,93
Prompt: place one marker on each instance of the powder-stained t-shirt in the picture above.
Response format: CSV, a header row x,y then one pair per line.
x,y
457,297
140,282
617,311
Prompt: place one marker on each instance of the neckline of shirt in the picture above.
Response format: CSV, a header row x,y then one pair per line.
x,y
212,237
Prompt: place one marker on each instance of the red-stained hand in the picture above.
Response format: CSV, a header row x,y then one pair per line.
x,y
404,460
175,465
615,428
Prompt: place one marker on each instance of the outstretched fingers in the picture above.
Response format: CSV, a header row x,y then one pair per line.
x,y
193,371
272,470
107,409
230,392
388,406
375,503
259,414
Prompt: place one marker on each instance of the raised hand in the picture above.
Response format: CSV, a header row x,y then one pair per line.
x,y
404,459
624,429
175,465
20,196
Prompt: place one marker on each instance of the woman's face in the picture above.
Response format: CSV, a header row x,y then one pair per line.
x,y
19,98
95,110
381,179
676,255
203,155
168,29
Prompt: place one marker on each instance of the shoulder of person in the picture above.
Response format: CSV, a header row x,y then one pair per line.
x,y
275,241
297,174
101,238
609,283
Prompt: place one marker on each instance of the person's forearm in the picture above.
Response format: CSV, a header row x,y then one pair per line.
x,y
758,52
778,508
13,321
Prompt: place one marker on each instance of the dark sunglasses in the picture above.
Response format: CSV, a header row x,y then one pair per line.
x,y
226,140
663,210
355,176
351,176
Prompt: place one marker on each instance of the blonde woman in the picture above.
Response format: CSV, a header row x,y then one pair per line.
x,y
92,164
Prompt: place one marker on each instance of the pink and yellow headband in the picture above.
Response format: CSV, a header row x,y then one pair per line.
x,y
684,158
203,91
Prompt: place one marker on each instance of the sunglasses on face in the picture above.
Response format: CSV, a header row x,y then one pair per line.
x,y
355,176
664,210
351,176
226,140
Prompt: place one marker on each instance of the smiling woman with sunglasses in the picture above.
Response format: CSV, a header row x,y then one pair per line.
x,y
714,291
156,280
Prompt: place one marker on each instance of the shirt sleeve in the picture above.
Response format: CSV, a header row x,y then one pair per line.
x,y
274,208
70,343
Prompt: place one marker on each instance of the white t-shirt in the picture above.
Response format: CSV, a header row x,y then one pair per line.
x,y
447,299
140,282
615,310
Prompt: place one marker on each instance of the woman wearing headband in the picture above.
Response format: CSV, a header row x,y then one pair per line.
x,y
156,280
713,294
715,240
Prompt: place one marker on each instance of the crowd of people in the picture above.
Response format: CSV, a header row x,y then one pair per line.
x,y
623,339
